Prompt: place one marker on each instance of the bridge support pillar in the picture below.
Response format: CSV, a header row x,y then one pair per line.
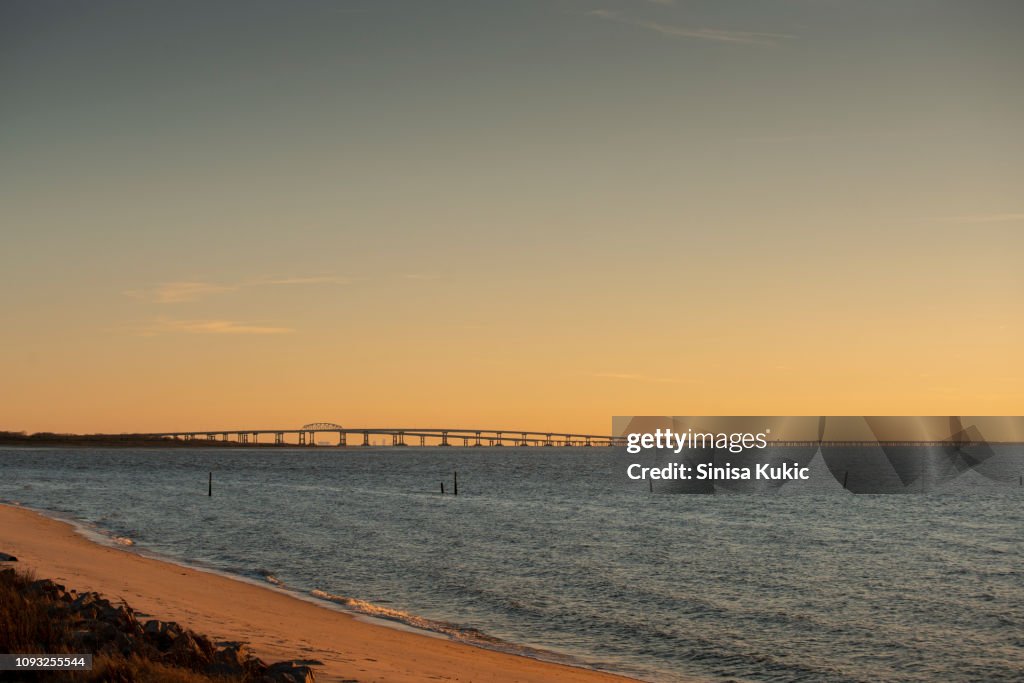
x,y
547,440
477,444
398,439
278,438
526,441
423,440
498,439
366,438
342,442
302,438
588,443
444,439
312,439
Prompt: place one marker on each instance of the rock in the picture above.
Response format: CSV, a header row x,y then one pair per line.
x,y
127,646
4,557
95,635
233,659
288,672
56,610
46,587
90,606
114,615
190,650
161,634
125,620
155,627
86,599
204,644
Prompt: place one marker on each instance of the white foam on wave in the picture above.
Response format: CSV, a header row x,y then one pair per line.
x,y
441,629
270,578
87,530
420,623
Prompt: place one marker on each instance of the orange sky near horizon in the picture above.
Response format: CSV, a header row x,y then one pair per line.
x,y
520,215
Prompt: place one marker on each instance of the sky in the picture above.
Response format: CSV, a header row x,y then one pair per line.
x,y
535,214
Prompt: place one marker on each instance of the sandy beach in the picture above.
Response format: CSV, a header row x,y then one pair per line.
x,y
276,625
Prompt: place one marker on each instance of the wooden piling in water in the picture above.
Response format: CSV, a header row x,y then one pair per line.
x,y
442,488
456,491
209,486
846,475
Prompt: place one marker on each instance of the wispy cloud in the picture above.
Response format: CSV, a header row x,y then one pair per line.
x,y
635,378
986,218
193,290
699,33
164,326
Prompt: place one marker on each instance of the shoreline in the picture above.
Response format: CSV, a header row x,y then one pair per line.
x,y
276,622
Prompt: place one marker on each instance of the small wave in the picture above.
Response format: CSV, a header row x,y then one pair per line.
x,y
270,578
123,540
371,610
470,636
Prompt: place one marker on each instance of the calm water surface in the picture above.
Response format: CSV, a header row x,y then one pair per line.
x,y
543,551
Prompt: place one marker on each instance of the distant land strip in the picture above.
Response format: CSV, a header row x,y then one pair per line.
x,y
55,440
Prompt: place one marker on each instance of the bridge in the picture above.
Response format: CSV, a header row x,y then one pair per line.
x,y
397,436
448,437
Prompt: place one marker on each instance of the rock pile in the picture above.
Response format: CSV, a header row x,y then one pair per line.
x,y
100,627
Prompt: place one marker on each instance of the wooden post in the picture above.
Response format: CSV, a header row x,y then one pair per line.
x,y
442,488
209,487
650,485
456,492
846,475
